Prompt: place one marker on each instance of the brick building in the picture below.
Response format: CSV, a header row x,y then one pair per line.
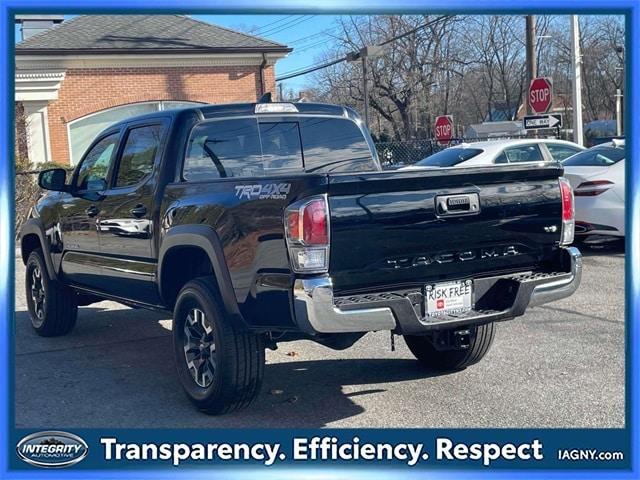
x,y
78,77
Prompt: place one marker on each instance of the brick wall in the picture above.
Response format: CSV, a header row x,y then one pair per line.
x,y
86,91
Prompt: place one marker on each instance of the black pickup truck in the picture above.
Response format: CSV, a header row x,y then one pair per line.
x,y
269,222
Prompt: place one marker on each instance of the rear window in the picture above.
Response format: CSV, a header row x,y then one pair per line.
x,y
281,150
335,145
595,157
449,157
244,147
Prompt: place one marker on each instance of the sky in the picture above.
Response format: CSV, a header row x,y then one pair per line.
x,y
306,34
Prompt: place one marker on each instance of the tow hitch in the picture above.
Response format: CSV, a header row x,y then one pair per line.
x,y
452,339
461,339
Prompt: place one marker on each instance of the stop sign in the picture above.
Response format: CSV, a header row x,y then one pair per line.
x,y
443,128
540,94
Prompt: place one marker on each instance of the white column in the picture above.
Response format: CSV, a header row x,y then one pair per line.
x,y
35,90
37,127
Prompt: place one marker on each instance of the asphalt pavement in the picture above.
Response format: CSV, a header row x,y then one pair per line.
x,y
560,365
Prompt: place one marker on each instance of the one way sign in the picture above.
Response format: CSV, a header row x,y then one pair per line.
x,y
552,120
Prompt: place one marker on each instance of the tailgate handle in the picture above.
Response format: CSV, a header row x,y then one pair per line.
x,y
459,204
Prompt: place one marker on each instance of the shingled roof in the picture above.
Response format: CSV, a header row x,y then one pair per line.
x,y
95,34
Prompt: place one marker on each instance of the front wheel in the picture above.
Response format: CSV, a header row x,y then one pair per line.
x,y
479,344
220,366
52,305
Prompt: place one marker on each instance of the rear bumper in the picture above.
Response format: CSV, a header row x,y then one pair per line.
x,y
497,298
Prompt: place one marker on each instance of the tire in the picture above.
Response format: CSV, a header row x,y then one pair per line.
x,y
52,305
220,365
446,360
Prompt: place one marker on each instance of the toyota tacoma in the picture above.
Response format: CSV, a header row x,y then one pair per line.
x,y
262,223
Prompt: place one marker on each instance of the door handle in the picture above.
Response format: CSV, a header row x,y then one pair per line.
x,y
138,211
92,211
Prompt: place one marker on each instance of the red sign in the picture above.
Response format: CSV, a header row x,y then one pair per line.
x,y
443,128
540,94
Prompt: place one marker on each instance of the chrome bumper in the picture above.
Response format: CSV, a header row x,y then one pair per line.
x,y
316,312
555,290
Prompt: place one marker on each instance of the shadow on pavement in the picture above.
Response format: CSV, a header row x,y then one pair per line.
x,y
116,370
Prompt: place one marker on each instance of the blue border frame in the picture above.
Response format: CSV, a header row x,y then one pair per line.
x,y
631,8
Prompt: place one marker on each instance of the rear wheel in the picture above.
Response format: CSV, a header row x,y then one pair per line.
x,y
480,341
52,305
220,366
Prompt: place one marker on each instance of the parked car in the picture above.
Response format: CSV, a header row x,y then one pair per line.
x,y
597,178
500,152
263,223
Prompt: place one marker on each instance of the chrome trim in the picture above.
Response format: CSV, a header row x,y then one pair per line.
x,y
315,311
555,290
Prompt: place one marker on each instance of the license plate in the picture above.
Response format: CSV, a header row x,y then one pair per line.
x,y
448,298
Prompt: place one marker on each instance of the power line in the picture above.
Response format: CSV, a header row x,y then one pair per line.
x,y
304,48
257,29
287,26
310,69
313,68
313,35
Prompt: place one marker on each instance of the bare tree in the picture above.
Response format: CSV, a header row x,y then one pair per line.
x,y
470,67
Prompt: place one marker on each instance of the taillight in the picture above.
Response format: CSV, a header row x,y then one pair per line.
x,y
593,188
307,231
568,212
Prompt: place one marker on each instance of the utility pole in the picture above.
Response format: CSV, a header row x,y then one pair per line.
x,y
363,54
365,89
532,68
620,93
618,112
576,61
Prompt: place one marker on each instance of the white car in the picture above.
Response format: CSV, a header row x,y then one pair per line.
x,y
597,178
500,152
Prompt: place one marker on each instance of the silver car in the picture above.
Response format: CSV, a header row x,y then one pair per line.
x,y
500,152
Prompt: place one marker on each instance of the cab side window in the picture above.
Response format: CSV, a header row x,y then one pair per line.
x,y
94,169
139,155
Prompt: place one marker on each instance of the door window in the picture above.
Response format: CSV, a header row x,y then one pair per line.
x,y
519,154
94,169
139,155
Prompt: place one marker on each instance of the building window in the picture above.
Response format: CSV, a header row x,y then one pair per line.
x,y
83,130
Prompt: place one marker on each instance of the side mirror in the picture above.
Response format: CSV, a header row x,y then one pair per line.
x,y
53,179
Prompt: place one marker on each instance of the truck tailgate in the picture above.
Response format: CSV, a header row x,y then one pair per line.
x,y
418,226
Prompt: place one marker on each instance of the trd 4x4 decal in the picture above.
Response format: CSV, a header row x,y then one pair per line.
x,y
272,191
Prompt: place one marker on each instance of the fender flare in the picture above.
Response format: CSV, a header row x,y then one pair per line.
x,y
34,226
205,238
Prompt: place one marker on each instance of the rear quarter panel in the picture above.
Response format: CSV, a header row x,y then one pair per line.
x,y
250,226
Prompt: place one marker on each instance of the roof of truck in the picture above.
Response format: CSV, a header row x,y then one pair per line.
x,y
246,109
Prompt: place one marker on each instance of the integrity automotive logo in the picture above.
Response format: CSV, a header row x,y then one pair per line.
x,y
52,449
